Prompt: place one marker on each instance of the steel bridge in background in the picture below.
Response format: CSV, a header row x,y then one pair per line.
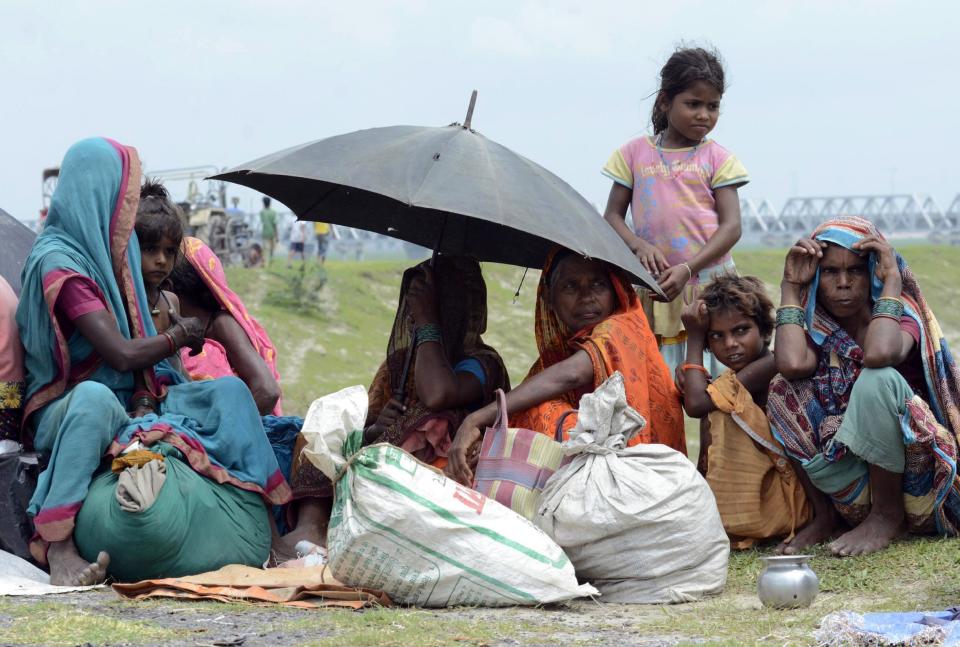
x,y
902,215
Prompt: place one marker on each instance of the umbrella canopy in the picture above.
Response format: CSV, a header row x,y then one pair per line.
x,y
16,239
449,189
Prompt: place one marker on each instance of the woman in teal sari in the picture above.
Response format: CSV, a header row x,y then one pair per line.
x,y
92,355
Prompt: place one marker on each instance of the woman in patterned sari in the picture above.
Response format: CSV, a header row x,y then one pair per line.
x,y
442,314
589,324
867,397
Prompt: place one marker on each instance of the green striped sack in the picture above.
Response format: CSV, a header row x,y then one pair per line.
x,y
401,526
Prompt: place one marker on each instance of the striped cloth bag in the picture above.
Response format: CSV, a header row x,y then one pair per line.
x,y
514,464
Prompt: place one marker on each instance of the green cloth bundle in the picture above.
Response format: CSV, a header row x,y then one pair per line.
x,y
195,525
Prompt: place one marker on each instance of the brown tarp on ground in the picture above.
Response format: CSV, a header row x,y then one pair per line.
x,y
306,588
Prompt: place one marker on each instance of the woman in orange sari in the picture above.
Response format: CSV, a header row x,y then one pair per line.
x,y
589,324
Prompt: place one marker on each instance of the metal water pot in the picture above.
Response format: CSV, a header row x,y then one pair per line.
x,y
787,582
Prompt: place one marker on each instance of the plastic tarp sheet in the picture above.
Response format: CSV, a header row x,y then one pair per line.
x,y
20,577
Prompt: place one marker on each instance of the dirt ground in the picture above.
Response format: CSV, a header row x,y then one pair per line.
x,y
196,624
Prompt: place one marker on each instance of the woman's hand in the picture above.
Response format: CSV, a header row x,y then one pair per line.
x,y
651,258
421,298
802,262
886,267
141,410
696,319
674,279
388,417
187,331
464,452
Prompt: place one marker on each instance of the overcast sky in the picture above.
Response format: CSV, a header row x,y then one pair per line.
x,y
824,98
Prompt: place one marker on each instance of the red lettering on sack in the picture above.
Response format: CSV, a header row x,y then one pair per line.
x,y
470,498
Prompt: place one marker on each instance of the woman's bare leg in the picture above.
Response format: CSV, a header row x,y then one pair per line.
x,y
885,522
313,515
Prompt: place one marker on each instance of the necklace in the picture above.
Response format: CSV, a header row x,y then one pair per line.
x,y
154,307
680,164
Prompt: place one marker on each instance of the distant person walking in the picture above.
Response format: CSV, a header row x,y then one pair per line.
x,y
268,222
682,192
321,230
298,239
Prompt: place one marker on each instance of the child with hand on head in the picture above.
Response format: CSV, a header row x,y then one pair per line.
x,y
159,233
681,189
757,492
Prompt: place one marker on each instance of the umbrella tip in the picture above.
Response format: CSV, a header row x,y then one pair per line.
x,y
473,102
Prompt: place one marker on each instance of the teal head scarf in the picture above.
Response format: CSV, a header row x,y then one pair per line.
x,y
88,233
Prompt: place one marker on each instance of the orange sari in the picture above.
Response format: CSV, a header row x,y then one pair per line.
x,y
621,342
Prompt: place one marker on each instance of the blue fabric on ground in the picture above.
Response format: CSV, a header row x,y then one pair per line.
x,y
899,627
282,433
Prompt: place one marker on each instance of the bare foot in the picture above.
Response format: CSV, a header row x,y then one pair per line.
x,y
874,533
307,532
67,568
816,532
282,550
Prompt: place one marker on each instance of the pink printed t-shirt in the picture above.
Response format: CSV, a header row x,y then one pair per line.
x,y
674,207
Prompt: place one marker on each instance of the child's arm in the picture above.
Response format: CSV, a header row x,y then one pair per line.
x,y
755,376
696,400
724,238
649,256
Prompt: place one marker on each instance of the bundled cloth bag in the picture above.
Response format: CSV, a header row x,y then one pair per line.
x,y
640,523
400,526
182,523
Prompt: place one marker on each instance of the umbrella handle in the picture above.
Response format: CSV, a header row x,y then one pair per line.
x,y
400,394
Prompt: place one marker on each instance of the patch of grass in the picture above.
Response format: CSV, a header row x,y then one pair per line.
x,y
919,574
48,623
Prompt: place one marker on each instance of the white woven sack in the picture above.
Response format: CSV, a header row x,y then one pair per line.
x,y
640,523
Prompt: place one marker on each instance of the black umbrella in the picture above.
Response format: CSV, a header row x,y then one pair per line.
x,y
16,239
449,189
